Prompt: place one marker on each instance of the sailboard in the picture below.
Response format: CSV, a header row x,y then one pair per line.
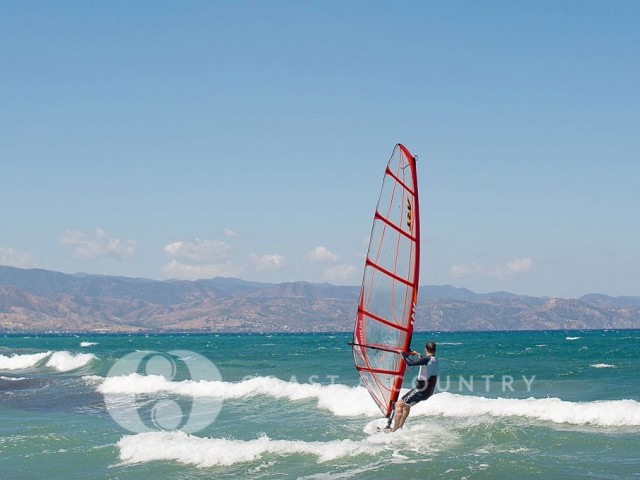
x,y
386,309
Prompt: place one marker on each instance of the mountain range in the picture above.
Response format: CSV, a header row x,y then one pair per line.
x,y
36,300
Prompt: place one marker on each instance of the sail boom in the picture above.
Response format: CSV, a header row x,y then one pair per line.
x,y
377,370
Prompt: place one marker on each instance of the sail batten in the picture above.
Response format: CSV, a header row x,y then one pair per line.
x,y
387,272
384,321
400,182
392,225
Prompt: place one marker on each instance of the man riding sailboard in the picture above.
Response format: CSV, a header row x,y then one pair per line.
x,y
386,310
425,383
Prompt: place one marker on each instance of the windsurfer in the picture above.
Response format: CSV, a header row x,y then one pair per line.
x,y
425,385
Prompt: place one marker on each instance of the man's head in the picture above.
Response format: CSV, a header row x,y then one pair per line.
x,y
430,347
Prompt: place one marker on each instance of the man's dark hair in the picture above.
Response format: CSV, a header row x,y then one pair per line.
x,y
431,347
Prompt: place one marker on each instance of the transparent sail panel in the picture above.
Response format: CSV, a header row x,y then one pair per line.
x,y
389,288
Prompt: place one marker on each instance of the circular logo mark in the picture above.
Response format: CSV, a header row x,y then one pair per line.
x,y
151,391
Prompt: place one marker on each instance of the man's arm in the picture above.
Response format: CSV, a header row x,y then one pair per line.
x,y
414,362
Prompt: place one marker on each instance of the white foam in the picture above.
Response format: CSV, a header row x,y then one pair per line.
x,y
605,413
573,338
344,401
66,361
21,362
88,344
603,365
422,439
92,379
12,379
341,400
207,452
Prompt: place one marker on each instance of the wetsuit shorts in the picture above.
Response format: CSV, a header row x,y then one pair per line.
x,y
421,392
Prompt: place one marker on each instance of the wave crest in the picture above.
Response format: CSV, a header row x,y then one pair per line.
x,y
22,362
62,361
604,413
345,401
208,452
66,361
339,399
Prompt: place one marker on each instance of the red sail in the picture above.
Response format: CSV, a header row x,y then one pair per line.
x,y
386,309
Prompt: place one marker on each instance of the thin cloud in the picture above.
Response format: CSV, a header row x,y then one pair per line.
x,y
186,271
199,251
15,258
196,259
467,270
340,274
515,267
266,262
98,245
231,233
365,242
321,254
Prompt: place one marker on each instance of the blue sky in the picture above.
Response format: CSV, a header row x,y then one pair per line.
x,y
248,139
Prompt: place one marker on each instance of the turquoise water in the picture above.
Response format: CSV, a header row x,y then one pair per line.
x,y
549,404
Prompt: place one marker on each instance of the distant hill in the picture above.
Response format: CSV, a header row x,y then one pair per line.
x,y
36,300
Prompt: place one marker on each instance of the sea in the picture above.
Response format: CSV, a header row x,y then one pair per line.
x,y
539,404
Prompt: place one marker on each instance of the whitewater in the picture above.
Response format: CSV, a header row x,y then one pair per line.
x,y
346,401
61,361
291,406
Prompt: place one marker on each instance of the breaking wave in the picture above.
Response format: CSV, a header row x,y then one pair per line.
x,y
208,452
346,401
67,361
22,362
339,399
62,361
88,344
604,413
